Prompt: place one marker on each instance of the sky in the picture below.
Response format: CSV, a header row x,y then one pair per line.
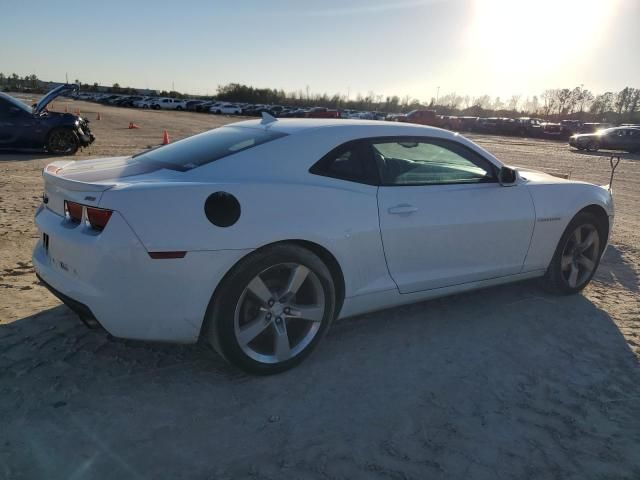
x,y
420,48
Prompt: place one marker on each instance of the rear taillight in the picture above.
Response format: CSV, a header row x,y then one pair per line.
x,y
73,211
98,217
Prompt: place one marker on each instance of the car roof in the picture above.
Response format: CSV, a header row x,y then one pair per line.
x,y
294,125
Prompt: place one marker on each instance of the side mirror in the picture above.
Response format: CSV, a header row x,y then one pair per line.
x,y
507,177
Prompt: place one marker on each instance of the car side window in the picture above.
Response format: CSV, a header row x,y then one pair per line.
x,y
422,161
351,161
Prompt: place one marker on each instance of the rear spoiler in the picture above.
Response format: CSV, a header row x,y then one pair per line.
x,y
50,174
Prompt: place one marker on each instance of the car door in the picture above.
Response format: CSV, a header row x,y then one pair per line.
x,y
625,140
444,217
634,140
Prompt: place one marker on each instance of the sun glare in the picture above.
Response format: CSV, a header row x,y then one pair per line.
x,y
534,38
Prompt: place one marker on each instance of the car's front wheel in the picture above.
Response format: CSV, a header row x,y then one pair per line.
x,y
62,141
577,255
272,309
593,146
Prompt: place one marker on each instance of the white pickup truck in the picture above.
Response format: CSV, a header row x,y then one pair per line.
x,y
168,104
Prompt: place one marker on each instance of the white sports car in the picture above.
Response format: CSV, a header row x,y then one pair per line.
x,y
257,235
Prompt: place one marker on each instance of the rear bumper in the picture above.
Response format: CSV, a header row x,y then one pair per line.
x,y
110,277
80,309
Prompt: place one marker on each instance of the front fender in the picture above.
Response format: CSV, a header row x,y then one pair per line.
x,y
556,204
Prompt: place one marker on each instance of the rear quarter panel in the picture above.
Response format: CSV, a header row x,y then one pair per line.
x,y
341,218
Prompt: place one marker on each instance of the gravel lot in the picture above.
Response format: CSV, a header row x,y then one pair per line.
x,y
508,382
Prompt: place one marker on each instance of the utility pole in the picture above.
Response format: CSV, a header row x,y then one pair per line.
x,y
66,76
437,94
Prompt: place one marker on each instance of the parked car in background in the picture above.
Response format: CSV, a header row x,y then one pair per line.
x,y
617,138
528,127
144,102
591,127
34,128
571,127
322,112
192,105
295,113
167,104
226,109
421,117
551,129
467,123
204,107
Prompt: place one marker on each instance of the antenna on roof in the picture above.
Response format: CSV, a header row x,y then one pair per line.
x,y
267,119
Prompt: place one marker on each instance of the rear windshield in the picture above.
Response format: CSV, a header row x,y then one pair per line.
x,y
206,147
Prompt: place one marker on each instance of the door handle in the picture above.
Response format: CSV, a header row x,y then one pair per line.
x,y
402,209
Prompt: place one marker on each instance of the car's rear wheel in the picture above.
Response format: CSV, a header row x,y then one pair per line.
x,y
593,146
577,255
62,141
178,108
272,309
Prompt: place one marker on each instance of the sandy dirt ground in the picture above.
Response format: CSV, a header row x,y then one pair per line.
x,y
504,383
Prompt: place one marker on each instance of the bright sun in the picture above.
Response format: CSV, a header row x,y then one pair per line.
x,y
535,37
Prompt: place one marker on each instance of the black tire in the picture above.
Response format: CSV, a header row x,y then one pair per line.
x,y
593,146
156,107
219,324
218,112
62,141
178,108
554,280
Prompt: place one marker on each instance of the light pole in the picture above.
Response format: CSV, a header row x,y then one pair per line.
x,y
437,94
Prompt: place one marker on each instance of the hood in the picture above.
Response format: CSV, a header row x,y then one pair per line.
x,y
56,92
535,177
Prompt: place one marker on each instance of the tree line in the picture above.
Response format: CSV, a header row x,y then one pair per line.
x,y
554,104
577,102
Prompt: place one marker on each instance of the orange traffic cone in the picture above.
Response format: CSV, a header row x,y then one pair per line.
x,y
165,138
133,125
66,110
98,117
77,111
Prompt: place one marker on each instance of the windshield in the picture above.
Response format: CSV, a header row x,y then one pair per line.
x,y
206,147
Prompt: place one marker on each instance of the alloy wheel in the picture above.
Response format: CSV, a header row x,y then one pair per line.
x,y
580,255
61,141
279,313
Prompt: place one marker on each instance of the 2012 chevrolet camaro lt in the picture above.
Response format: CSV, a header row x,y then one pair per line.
x,y
257,235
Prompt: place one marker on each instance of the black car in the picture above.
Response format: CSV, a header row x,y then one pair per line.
x,y
33,128
192,105
617,138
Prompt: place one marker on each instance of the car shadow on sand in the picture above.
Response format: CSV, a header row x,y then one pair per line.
x,y
615,267
18,156
505,382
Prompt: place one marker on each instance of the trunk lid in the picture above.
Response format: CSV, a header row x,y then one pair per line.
x,y
58,188
84,181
